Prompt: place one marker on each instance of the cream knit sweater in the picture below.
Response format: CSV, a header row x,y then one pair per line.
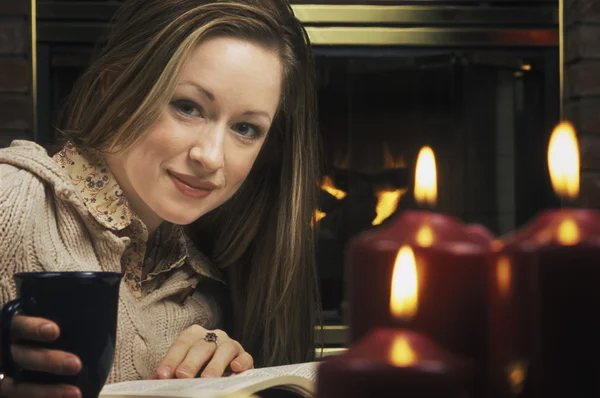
x,y
45,226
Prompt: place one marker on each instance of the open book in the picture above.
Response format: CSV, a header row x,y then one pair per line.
x,y
277,381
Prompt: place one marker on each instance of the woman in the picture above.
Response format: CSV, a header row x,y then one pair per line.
x,y
196,114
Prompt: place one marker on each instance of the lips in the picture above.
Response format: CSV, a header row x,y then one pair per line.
x,y
191,186
194,182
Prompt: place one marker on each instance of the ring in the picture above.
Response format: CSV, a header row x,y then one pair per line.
x,y
1,380
210,337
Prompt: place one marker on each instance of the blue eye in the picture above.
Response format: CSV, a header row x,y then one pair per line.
x,y
187,108
247,130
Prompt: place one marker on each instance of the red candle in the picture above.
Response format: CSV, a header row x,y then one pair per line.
x,y
545,295
451,263
392,362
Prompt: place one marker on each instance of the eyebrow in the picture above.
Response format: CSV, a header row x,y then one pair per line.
x,y
258,113
211,97
201,89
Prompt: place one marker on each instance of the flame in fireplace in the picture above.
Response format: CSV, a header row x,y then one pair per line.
x,y
388,159
318,216
387,202
563,161
328,186
404,297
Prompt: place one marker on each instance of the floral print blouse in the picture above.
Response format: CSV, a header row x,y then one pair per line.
x,y
104,198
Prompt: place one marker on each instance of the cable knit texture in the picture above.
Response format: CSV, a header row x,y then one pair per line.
x,y
45,226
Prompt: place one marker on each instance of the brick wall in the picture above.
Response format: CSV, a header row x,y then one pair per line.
x,y
582,90
15,71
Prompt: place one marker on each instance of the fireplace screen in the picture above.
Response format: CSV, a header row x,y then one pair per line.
x,y
484,115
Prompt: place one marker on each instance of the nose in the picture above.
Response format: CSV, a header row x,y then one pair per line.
x,y
209,148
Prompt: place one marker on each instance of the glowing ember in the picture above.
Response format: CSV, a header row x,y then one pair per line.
x,y
318,216
387,202
328,186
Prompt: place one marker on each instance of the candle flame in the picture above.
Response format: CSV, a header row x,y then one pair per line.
x,y
402,353
404,297
425,236
426,177
568,232
503,275
563,160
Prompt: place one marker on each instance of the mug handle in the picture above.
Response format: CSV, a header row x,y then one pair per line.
x,y
7,313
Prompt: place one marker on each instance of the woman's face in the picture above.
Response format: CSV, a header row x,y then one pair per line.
x,y
207,138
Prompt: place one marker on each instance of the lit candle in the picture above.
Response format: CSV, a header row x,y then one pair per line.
x,y
451,273
395,362
545,294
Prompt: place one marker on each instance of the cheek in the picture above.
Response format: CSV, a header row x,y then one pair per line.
x,y
164,137
164,141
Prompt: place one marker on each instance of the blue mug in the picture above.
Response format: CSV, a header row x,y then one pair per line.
x,y
85,306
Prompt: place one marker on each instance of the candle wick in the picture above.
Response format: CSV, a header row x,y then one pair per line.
x,y
567,202
426,207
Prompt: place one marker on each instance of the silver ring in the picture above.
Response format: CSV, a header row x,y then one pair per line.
x,y
211,337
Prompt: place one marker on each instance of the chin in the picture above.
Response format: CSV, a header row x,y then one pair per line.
x,y
182,216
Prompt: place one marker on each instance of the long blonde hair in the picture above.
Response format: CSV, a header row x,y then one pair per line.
x,y
262,237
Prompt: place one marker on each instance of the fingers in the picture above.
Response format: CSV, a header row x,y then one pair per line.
x,y
45,360
27,390
243,362
190,353
226,352
230,353
196,358
178,351
34,329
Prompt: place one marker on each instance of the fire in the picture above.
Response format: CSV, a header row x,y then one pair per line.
x,y
387,202
426,177
328,186
563,161
568,232
402,353
403,302
388,159
404,297
503,275
318,216
425,236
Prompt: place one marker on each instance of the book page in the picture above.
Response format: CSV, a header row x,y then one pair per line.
x,y
307,370
184,388
249,381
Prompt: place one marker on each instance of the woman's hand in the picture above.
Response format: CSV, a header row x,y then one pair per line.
x,y
32,329
191,352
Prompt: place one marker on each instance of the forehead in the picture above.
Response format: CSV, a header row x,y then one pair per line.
x,y
232,69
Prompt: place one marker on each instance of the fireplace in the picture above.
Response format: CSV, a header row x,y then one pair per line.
x,y
477,82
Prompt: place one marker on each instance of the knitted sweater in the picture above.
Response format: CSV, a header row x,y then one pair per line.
x,y
45,226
